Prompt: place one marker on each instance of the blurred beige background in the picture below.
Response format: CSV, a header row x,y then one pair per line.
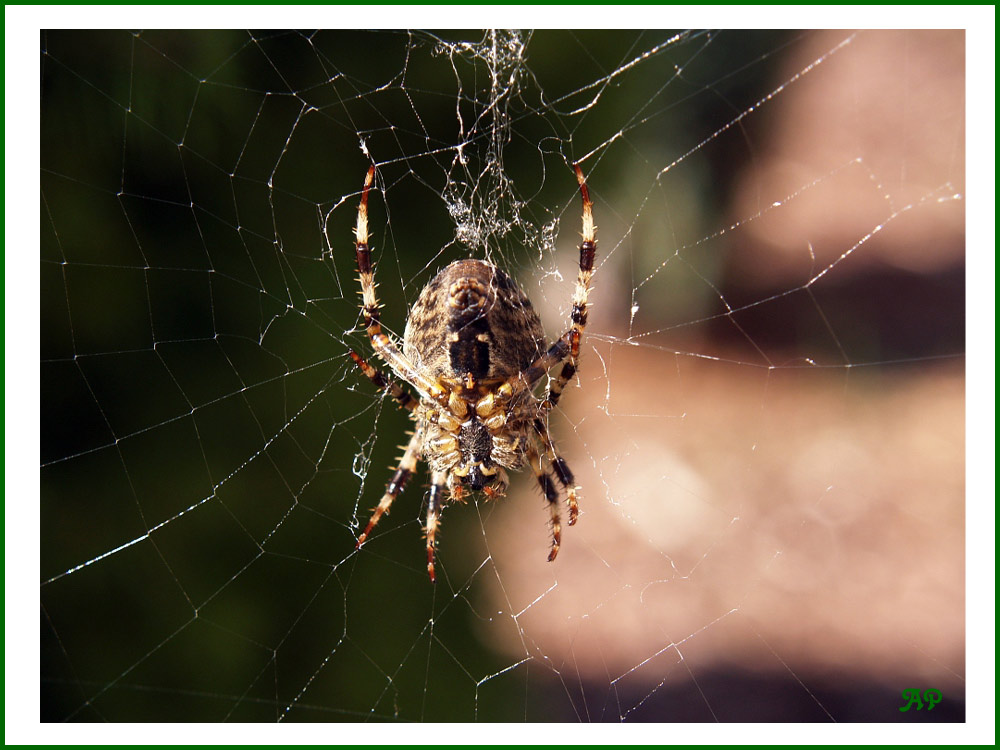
x,y
746,507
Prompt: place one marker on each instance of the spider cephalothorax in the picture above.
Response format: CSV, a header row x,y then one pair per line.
x,y
474,350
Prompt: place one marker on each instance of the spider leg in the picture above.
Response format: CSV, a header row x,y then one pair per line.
x,y
551,495
402,396
561,470
383,345
566,348
555,387
407,465
578,317
434,498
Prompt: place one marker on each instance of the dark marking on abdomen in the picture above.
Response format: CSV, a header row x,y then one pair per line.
x,y
470,352
472,318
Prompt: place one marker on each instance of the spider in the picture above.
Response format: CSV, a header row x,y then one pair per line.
x,y
473,350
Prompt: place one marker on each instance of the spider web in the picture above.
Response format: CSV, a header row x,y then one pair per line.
x,y
768,424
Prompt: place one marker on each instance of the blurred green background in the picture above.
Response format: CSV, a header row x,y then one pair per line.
x,y
197,398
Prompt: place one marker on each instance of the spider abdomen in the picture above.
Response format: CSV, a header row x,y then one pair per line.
x,y
472,320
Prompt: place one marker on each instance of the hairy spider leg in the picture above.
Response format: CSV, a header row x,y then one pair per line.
x,y
403,397
566,348
407,466
561,469
383,345
434,499
551,496
578,316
